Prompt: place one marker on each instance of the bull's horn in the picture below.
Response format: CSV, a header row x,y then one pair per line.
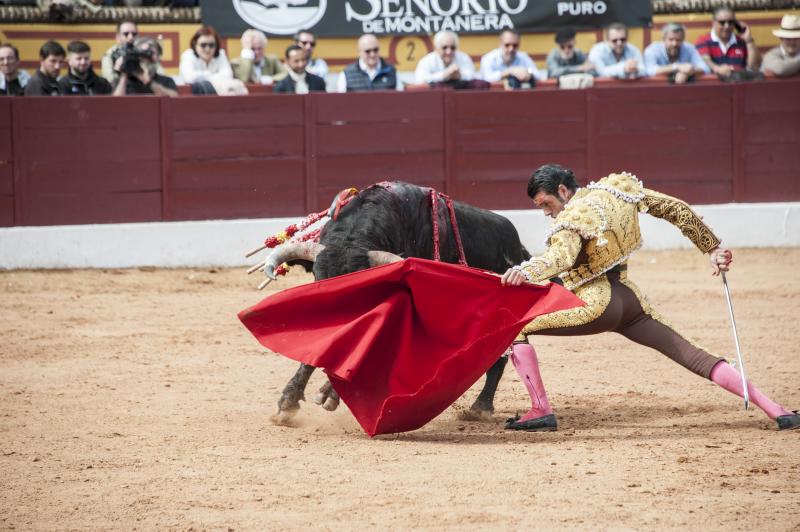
x,y
293,251
377,258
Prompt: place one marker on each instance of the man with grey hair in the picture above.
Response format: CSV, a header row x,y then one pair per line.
x,y
672,56
616,57
447,64
253,65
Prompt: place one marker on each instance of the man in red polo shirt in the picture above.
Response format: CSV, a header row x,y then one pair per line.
x,y
725,50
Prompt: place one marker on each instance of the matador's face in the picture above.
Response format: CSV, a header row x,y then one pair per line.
x,y
551,204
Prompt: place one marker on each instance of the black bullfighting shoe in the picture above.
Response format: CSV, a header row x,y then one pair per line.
x,y
546,423
789,421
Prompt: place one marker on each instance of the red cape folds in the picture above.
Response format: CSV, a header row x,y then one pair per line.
x,y
401,342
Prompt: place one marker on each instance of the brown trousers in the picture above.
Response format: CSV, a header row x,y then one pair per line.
x,y
624,315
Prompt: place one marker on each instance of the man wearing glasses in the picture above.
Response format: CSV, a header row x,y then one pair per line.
x,y
723,50
509,64
616,57
306,40
566,58
446,64
370,72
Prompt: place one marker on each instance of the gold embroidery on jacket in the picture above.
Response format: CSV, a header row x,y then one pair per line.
x,y
595,294
678,213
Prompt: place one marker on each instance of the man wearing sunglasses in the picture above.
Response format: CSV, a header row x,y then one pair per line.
x,y
616,57
370,72
566,58
127,31
306,40
724,51
509,64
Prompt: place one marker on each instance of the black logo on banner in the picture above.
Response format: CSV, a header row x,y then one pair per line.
x,y
281,17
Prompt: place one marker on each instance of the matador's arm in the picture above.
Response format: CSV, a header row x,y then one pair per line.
x,y
679,214
559,256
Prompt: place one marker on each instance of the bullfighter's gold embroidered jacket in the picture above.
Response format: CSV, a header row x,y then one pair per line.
x,y
598,229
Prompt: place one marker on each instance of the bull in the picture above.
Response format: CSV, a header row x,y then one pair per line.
x,y
386,223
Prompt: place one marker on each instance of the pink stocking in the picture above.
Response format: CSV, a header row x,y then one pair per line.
x,y
730,379
523,356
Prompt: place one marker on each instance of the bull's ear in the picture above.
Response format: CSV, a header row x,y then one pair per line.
x,y
378,258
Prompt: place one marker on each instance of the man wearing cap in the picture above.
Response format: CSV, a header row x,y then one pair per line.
x,y
784,60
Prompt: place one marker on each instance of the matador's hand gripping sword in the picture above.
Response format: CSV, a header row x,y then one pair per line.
x,y
745,394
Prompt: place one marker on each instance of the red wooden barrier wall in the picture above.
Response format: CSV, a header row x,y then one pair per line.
x,y
103,160
6,165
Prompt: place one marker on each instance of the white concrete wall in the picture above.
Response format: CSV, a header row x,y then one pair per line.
x,y
224,242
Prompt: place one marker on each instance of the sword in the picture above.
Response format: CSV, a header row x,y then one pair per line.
x,y
736,341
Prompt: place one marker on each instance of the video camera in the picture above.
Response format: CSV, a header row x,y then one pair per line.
x,y
132,56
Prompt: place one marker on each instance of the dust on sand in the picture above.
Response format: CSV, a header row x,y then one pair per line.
x,y
134,399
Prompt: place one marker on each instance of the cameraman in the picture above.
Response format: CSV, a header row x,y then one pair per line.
x,y
138,71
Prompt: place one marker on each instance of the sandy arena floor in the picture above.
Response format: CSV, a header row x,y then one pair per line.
x,y
134,399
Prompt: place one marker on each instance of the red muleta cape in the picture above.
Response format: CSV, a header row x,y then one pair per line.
x,y
401,342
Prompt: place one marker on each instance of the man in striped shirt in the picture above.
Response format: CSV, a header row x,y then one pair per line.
x,y
724,50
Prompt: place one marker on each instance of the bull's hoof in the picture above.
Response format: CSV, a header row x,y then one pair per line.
x,y
327,397
331,404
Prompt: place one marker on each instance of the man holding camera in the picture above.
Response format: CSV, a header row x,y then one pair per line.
x,y
81,79
727,52
138,71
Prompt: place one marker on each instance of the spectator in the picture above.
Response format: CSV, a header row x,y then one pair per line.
x,y
299,80
205,59
723,50
615,57
253,65
143,78
783,60
45,81
81,79
447,65
370,72
110,63
566,58
12,79
306,40
508,63
673,57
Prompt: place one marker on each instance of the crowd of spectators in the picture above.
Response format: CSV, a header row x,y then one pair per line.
x,y
132,65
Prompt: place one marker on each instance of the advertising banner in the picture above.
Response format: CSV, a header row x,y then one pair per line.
x,y
347,18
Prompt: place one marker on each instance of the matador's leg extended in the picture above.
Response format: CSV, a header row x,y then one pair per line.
x,y
650,330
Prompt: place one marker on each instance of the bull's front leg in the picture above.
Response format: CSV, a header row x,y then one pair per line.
x,y
327,397
483,407
293,393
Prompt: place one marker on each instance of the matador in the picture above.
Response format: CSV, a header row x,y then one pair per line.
x,y
594,233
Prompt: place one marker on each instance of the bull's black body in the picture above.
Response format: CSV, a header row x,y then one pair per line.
x,y
396,217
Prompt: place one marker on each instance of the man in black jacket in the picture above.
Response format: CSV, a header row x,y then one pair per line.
x,y
299,81
81,79
45,81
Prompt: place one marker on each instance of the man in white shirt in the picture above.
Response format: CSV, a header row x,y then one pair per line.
x,y
447,65
508,63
